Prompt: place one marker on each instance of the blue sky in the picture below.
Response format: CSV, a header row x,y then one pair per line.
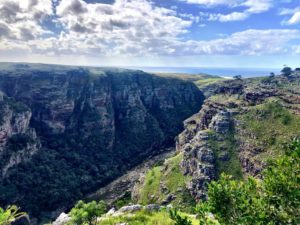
x,y
183,33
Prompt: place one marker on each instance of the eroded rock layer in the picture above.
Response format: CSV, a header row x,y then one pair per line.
x,y
239,128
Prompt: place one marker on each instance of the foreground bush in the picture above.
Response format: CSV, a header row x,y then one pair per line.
x,y
10,215
87,213
274,200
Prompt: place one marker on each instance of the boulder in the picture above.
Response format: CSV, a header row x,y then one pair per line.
x,y
62,219
152,207
130,208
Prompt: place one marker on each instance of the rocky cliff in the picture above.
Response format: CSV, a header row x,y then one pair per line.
x,y
75,129
18,142
239,128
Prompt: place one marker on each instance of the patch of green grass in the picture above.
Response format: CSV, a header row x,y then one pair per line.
x,y
162,181
145,218
173,175
200,80
150,190
232,165
123,201
273,125
225,99
207,81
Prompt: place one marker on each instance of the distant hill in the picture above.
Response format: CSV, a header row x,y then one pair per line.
x,y
203,81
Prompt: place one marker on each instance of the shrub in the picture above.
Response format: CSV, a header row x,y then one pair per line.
x,y
238,77
87,212
178,219
10,215
286,71
274,200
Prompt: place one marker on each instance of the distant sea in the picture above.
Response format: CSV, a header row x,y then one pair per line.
x,y
223,72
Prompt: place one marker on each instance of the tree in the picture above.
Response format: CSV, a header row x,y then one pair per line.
x,y
273,200
286,71
10,215
87,212
272,75
237,77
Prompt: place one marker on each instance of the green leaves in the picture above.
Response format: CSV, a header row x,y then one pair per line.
x,y
178,219
273,200
87,213
10,215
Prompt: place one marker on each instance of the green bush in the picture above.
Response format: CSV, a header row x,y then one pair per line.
x,y
87,213
10,215
273,200
179,220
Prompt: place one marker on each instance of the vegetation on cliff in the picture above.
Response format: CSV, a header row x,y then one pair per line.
x,y
273,200
165,184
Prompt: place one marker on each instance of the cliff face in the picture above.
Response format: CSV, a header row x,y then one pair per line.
x,y
18,142
84,127
239,128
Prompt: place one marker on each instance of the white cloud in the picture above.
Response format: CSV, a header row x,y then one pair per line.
x,y
258,6
248,42
124,28
235,16
251,7
295,19
287,11
295,16
212,3
22,20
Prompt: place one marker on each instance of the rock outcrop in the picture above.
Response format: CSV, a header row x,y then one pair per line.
x,y
18,142
199,157
218,135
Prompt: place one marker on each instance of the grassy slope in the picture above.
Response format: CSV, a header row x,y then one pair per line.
x,y
165,180
273,125
232,166
145,218
201,80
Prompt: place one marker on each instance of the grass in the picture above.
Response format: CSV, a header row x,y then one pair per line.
x,y
165,180
201,80
232,166
150,190
273,125
207,81
225,99
144,218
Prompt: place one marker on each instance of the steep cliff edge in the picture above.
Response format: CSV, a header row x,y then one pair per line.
x,y
239,129
18,142
93,124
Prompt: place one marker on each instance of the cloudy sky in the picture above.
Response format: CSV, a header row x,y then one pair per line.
x,y
209,33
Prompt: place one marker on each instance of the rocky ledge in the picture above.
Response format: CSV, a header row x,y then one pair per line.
x,y
217,134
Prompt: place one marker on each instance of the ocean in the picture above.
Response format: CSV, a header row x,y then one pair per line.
x,y
223,72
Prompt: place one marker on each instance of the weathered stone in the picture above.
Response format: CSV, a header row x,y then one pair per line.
x,y
130,208
111,212
152,207
63,219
